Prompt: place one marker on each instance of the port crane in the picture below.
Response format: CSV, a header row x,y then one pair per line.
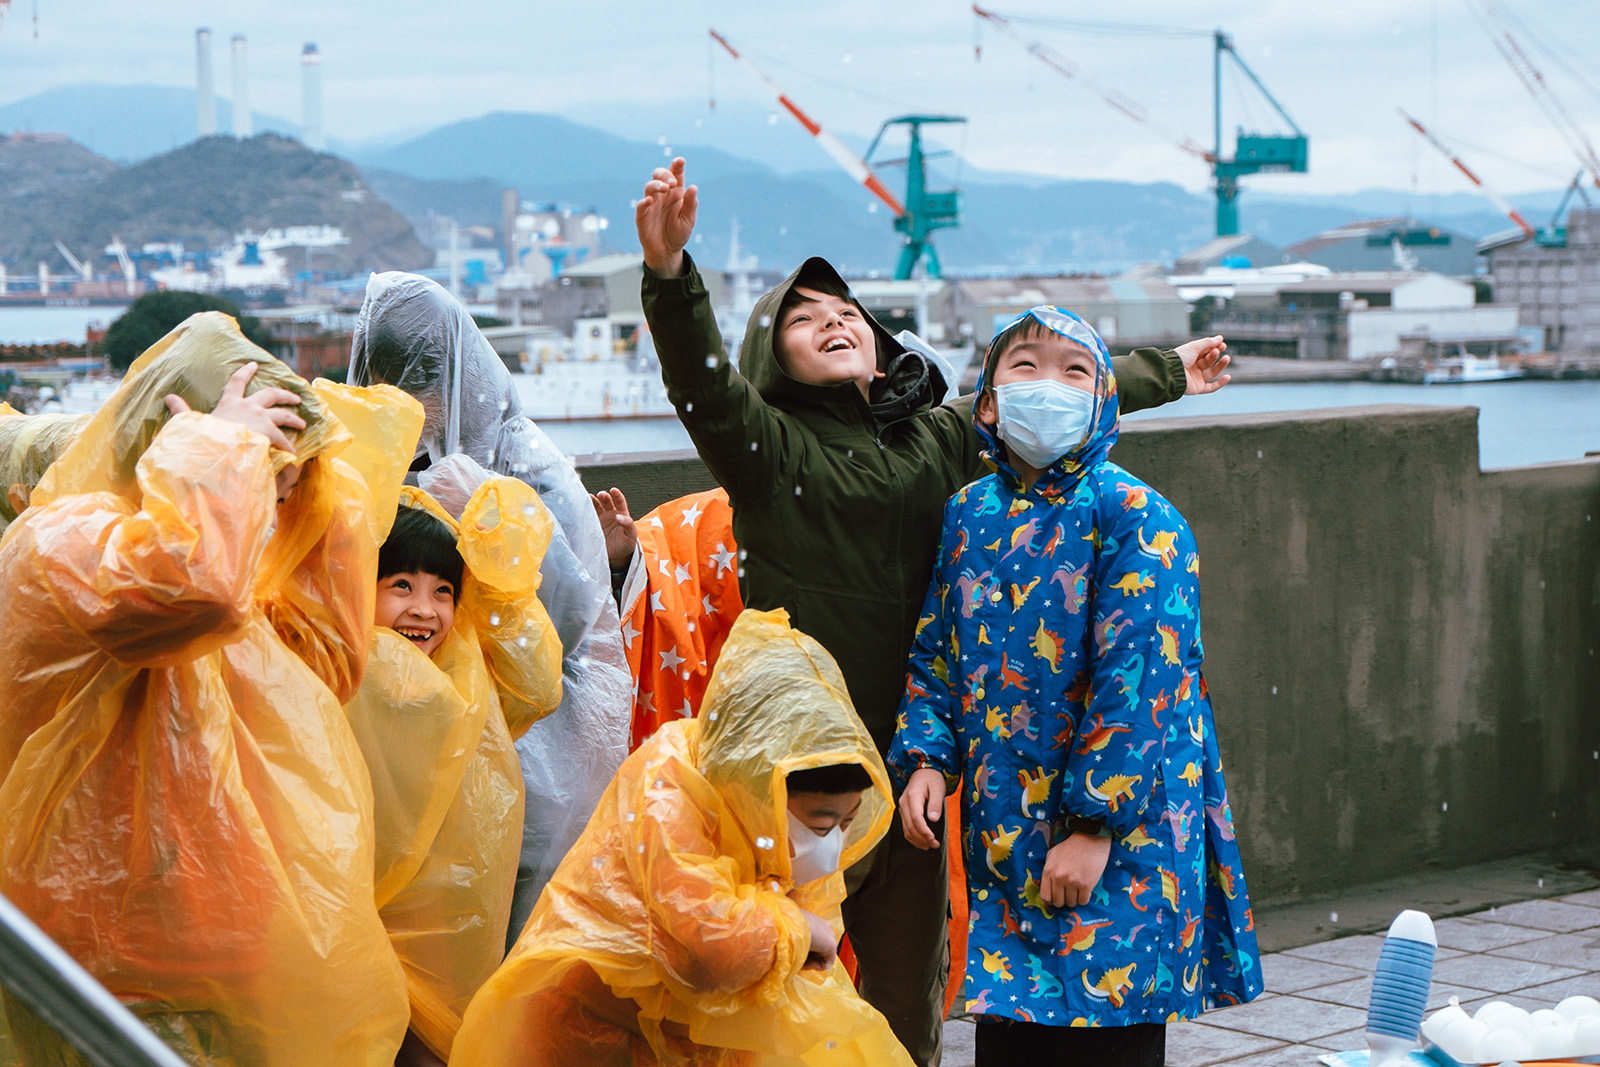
x,y
1501,202
1254,153
921,212
1505,42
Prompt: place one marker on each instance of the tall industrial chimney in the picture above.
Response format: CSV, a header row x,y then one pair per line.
x,y
241,90
205,87
311,96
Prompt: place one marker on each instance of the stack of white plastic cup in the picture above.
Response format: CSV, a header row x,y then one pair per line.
x,y
1400,988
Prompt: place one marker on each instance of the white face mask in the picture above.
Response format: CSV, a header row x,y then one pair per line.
x,y
1041,421
814,857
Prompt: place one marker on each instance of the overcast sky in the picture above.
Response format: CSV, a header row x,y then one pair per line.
x,y
1340,67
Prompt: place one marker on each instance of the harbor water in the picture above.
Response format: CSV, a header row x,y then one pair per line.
x,y
51,323
1519,422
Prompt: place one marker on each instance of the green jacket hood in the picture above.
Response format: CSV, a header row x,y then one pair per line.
x,y
758,356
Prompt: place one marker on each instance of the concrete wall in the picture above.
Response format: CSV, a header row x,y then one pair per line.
x,y
1402,649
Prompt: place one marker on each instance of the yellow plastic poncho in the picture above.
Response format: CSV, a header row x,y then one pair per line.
x,y
186,810
28,445
672,932
437,734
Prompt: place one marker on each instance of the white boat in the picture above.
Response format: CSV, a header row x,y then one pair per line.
x,y
1468,368
608,370
602,389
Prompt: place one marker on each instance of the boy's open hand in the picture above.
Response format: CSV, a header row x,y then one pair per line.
x,y
266,411
824,946
1204,360
611,508
920,806
1072,869
664,217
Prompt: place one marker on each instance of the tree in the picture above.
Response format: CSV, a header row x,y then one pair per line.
x,y
152,316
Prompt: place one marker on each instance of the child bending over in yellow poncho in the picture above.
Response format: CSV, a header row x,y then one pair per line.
x,y
696,919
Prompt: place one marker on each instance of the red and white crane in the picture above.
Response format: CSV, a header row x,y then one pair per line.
x,y
1534,81
852,163
1501,202
1114,97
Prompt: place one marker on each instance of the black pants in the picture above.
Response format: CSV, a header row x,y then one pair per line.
x,y
897,914
1015,1044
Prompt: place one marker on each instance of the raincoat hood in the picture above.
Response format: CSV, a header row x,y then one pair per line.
x,y
1067,470
194,361
911,381
28,445
776,704
411,333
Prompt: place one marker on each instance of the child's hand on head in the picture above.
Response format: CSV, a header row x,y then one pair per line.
x,y
665,218
622,537
266,411
1204,360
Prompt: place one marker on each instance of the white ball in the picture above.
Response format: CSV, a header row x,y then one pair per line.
x,y
1434,1025
1549,1042
1460,1039
1586,1036
1512,1018
1579,1006
1487,1013
1546,1017
1503,1045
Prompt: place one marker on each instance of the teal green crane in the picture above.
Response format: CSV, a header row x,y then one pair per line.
x,y
922,211
1253,153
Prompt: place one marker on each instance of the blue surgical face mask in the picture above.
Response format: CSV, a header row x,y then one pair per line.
x,y
1041,421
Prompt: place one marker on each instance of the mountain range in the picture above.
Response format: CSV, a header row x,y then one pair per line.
x,y
786,208
201,194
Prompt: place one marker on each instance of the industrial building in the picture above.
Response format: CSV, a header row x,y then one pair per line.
x,y
1365,315
1236,250
1553,279
925,306
1399,244
1136,308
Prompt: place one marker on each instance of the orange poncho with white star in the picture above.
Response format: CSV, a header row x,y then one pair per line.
x,y
680,599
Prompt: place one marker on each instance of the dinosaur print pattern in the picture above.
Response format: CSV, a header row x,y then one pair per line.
x,y
1055,670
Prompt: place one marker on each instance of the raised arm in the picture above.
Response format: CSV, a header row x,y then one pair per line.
x,y
505,532
740,438
171,577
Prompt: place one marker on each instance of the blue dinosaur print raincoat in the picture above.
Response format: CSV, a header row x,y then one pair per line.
x,y
1056,673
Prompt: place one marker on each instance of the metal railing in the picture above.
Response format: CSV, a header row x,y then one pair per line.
x,y
38,974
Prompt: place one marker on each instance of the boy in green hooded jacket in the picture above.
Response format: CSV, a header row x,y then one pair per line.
x,y
838,457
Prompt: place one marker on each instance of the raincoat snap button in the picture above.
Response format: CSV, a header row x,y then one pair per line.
x,y
995,596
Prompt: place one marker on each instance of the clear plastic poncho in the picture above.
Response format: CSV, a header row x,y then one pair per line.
x,y
412,334
672,933
438,733
187,812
